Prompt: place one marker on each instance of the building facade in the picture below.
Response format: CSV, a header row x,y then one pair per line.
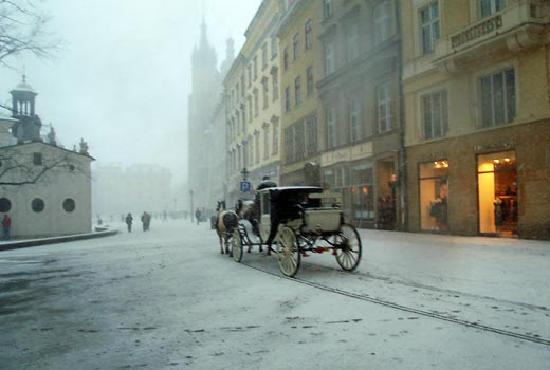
x,y
299,64
253,108
477,96
44,188
360,128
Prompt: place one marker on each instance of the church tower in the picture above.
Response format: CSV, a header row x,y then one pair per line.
x,y
201,105
23,109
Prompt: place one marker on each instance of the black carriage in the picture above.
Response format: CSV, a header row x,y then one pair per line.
x,y
299,220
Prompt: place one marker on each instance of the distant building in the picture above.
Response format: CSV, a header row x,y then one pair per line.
x,y
143,187
45,189
202,104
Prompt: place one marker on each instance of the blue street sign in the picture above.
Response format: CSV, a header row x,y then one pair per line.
x,y
245,186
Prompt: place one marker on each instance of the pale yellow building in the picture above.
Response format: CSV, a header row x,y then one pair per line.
x,y
476,81
253,103
299,66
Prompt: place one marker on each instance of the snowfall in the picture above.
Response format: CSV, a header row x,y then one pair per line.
x,y
167,299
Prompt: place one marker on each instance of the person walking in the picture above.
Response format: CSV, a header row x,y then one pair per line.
x,y
198,216
6,227
129,220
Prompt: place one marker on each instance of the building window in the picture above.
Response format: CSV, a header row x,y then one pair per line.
x,y
308,33
275,80
311,135
287,99
362,193
429,26
250,110
249,70
297,92
299,141
289,144
355,121
255,66
329,57
295,45
285,59
433,195
37,205
309,81
327,8
273,47
242,84
265,93
498,98
331,127
69,205
490,7
266,142
382,22
249,150
264,56
5,205
256,103
384,107
434,114
353,46
328,179
257,146
275,136
37,158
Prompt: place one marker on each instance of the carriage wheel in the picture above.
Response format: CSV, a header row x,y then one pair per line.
x,y
349,249
237,246
288,252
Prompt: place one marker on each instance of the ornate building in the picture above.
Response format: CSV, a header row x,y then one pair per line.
x,y
44,188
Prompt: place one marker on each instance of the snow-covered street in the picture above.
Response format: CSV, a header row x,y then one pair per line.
x,y
168,300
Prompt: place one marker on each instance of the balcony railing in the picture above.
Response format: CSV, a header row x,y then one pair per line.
x,y
521,25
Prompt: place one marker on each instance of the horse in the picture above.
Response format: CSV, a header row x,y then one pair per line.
x,y
249,210
226,222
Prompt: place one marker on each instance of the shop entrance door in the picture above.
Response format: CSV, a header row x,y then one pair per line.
x,y
497,193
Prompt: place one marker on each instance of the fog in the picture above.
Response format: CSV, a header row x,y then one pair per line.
x,y
122,75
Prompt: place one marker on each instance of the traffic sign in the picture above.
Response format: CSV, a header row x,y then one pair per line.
x,y
245,186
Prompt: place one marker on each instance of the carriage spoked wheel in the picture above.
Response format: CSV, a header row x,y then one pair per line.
x,y
237,246
288,252
348,248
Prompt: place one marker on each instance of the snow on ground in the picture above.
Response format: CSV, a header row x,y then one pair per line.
x,y
168,300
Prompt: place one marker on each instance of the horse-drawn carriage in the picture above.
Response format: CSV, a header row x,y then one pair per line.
x,y
298,220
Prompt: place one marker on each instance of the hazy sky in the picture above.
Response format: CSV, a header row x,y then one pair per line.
x,y
123,76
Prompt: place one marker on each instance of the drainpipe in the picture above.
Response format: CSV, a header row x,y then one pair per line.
x,y
402,154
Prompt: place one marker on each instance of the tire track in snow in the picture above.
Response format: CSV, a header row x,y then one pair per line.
x,y
364,297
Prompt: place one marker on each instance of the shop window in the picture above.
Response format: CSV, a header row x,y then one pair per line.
x,y
433,196
497,193
5,205
69,205
37,205
362,193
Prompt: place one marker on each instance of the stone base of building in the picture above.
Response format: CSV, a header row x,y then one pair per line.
x,y
493,182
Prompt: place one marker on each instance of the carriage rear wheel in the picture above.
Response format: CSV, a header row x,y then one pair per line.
x,y
349,248
288,252
237,246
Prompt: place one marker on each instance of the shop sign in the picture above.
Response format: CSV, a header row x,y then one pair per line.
x,y
335,156
361,151
494,147
431,157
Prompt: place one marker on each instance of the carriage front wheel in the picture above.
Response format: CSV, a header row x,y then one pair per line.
x,y
288,253
349,248
237,246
